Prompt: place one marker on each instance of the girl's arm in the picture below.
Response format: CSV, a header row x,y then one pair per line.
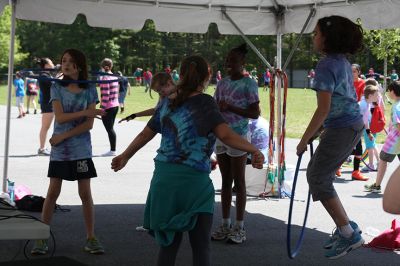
x,y
62,117
320,114
82,128
253,111
148,112
142,139
391,196
230,138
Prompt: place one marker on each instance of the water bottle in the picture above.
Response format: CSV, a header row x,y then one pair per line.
x,y
10,190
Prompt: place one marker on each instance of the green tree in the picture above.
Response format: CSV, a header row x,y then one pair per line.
x,y
5,28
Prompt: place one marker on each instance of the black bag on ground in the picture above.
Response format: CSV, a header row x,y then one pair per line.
x,y
30,203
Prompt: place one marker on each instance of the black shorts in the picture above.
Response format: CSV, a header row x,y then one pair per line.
x,y
72,170
46,107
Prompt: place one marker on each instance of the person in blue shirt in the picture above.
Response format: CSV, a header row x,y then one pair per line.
x,y
74,107
339,114
181,195
19,94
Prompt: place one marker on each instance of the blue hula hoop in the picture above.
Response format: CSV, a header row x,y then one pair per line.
x,y
293,254
44,78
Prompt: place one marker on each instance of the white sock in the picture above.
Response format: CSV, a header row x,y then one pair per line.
x,y
226,222
239,224
346,230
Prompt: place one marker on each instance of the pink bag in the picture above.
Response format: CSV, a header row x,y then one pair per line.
x,y
21,191
389,239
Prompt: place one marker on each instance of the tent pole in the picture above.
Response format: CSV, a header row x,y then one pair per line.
x,y
278,90
13,4
249,43
289,58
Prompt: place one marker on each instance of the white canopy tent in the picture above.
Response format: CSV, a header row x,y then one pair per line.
x,y
250,17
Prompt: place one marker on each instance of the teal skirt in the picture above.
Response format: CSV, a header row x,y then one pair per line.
x,y
178,193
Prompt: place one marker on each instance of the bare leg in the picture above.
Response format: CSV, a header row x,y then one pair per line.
x,y
391,197
87,205
381,172
238,165
47,118
227,180
52,195
335,209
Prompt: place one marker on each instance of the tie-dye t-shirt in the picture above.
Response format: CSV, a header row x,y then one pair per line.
x,y
240,93
187,136
392,142
80,146
333,74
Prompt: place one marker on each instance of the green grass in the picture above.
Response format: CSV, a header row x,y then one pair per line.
x,y
301,105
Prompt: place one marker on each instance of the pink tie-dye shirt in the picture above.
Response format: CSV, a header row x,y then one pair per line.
x,y
392,142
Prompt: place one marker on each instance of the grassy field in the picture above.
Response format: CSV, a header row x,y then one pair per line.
x,y
300,107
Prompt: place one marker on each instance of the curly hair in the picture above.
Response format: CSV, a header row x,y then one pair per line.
x,y
341,35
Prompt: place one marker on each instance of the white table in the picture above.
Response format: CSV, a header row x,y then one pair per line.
x,y
17,228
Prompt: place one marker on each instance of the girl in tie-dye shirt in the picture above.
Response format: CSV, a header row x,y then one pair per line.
x,y
391,148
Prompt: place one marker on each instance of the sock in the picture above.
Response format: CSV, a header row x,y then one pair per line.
x,y
346,230
226,222
240,224
356,164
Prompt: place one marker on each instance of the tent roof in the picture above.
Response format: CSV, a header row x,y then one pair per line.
x,y
254,17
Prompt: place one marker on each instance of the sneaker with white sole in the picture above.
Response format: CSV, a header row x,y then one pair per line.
x,y
372,188
93,246
40,247
344,245
222,233
43,152
109,153
335,235
237,236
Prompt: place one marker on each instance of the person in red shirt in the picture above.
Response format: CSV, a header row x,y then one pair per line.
x,y
359,83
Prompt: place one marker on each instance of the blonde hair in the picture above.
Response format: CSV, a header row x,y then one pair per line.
x,y
370,90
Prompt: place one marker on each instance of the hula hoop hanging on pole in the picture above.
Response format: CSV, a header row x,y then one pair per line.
x,y
293,254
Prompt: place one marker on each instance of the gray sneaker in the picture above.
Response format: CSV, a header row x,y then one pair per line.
x,y
40,247
335,236
373,188
238,235
93,246
221,233
43,152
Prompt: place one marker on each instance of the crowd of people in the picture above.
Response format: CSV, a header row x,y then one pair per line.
x,y
194,125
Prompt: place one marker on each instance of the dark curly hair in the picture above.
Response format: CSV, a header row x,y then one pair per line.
x,y
194,71
341,35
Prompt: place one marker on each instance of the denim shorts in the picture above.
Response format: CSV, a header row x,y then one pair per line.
x,y
335,145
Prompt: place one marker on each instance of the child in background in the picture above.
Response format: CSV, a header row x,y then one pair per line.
x,y
181,195
19,94
31,92
163,84
371,94
237,98
339,113
109,103
71,153
391,147
124,88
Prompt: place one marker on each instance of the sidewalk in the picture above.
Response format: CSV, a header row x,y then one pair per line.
x,y
120,199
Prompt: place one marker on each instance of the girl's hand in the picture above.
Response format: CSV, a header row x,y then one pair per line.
x,y
118,162
128,118
301,147
257,159
56,139
93,113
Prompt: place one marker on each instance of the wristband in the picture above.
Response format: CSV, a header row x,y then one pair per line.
x,y
368,131
132,116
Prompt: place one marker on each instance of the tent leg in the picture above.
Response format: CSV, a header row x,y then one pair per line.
x,y
249,43
13,4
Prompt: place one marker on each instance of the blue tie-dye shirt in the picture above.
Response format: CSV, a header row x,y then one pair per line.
x,y
187,132
240,93
80,146
333,74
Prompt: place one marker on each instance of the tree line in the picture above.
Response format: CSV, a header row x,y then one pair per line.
x,y
149,48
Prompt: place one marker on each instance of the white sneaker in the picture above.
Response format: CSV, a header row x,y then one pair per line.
x,y
238,235
43,152
109,153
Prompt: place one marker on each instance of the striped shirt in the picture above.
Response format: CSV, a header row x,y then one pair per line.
x,y
109,93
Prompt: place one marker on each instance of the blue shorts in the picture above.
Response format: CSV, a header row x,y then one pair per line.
x,y
121,96
369,144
